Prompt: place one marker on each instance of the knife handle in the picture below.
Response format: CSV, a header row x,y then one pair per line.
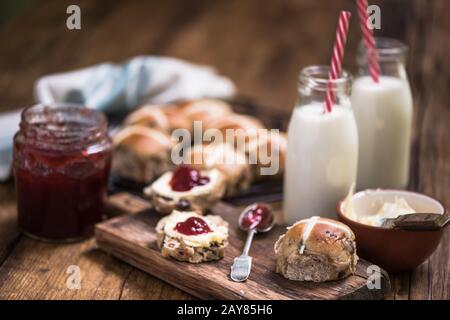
x,y
421,221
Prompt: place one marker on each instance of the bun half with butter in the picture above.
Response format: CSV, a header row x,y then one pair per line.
x,y
188,236
230,162
186,188
316,249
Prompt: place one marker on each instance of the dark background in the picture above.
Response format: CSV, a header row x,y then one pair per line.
x,y
261,45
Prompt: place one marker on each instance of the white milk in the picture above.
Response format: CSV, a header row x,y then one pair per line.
x,y
321,161
383,115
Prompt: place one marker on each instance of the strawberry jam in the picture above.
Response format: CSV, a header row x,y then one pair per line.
x,y
192,226
185,178
258,215
62,157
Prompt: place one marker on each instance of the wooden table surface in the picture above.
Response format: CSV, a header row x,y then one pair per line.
x,y
261,46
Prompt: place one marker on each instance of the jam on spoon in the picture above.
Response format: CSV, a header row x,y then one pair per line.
x,y
257,216
185,178
192,226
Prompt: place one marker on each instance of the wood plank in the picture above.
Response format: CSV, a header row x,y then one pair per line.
x,y
37,270
132,238
24,274
422,25
9,233
432,76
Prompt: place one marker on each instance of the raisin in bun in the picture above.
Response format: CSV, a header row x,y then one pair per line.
x,y
232,163
150,116
174,190
141,154
192,248
205,110
267,153
316,249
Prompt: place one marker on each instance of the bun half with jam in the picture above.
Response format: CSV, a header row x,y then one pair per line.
x,y
187,189
230,162
316,249
188,236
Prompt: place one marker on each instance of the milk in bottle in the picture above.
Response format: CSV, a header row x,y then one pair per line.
x,y
322,148
383,113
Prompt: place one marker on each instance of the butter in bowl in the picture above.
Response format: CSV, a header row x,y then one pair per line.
x,y
390,228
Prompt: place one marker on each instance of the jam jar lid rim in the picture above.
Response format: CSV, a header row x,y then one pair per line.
x,y
94,129
100,117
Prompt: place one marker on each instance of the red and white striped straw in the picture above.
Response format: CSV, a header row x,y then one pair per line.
x,y
336,59
369,41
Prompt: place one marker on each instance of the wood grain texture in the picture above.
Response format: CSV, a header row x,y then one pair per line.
x,y
429,71
261,47
9,236
132,238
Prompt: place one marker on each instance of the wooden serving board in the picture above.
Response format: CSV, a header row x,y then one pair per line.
x,y
132,238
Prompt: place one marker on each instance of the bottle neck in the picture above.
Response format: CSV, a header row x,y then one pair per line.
x,y
391,56
62,127
314,83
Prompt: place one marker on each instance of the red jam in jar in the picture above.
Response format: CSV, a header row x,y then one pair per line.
x,y
258,215
62,157
193,226
185,178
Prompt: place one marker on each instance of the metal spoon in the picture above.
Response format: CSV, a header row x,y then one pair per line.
x,y
240,270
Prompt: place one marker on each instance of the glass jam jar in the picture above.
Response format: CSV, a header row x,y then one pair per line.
x,y
62,157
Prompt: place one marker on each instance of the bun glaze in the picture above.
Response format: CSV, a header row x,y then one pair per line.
x,y
316,249
262,145
205,110
140,153
150,116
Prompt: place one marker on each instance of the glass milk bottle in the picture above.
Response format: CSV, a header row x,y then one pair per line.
x,y
322,148
383,113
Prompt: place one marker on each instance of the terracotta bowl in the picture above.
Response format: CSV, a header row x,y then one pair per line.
x,y
393,250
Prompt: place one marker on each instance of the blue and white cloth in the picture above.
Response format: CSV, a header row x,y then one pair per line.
x,y
111,87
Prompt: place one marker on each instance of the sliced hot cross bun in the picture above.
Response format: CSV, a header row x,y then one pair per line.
x,y
231,163
186,188
188,236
